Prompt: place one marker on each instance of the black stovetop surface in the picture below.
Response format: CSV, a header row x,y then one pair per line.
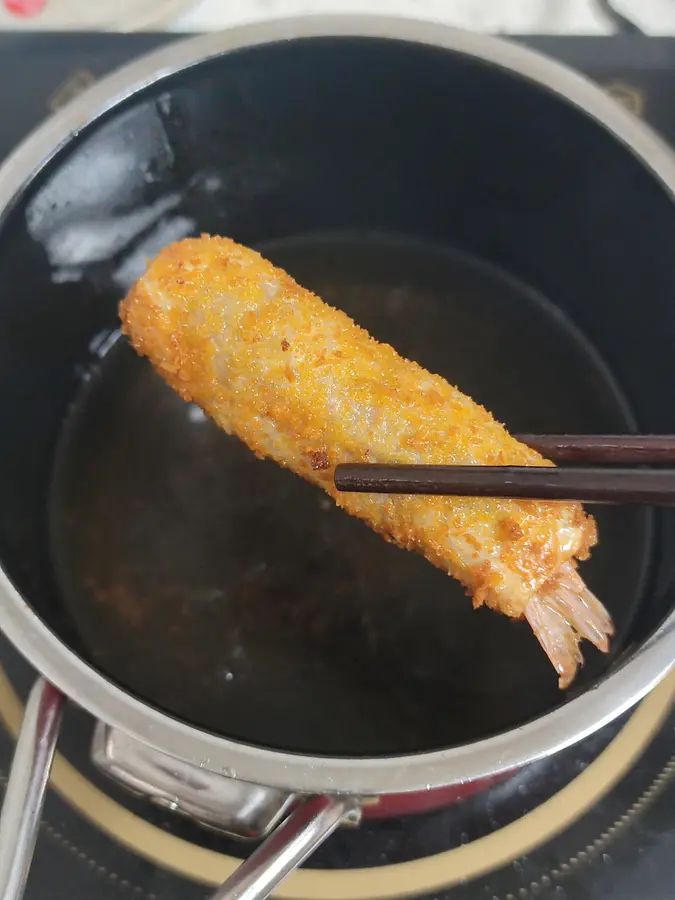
x,y
598,821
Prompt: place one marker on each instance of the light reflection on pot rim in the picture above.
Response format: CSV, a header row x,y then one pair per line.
x,y
545,735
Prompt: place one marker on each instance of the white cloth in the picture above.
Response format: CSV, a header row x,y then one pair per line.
x,y
505,16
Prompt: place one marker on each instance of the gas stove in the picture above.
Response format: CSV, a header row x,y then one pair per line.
x,y
598,820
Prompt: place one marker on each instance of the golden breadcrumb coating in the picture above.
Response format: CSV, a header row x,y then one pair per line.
x,y
300,382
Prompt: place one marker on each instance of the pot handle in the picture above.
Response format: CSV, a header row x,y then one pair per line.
x,y
288,846
26,786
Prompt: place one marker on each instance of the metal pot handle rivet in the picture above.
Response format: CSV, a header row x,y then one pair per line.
x,y
288,847
26,787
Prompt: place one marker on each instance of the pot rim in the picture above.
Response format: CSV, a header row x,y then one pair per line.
x,y
627,684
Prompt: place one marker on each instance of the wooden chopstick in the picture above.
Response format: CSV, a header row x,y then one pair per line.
x,y
618,449
587,485
582,483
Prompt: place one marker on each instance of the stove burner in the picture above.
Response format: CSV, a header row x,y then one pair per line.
x,y
506,826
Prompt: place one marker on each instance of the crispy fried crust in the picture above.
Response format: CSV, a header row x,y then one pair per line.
x,y
298,381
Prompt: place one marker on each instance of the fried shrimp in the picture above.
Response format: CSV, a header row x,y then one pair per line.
x,y
300,382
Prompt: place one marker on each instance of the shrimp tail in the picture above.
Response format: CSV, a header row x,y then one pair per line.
x,y
563,612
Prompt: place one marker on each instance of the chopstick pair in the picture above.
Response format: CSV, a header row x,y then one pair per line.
x,y
602,482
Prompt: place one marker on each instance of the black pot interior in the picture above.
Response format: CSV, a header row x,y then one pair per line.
x,y
483,226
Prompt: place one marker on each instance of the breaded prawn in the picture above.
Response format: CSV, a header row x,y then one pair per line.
x,y
300,382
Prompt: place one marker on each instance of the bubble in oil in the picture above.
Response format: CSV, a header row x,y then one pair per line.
x,y
195,414
165,104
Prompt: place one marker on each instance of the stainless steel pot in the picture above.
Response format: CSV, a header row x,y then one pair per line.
x,y
241,788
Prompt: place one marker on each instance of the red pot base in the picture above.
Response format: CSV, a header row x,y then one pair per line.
x,y
395,805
